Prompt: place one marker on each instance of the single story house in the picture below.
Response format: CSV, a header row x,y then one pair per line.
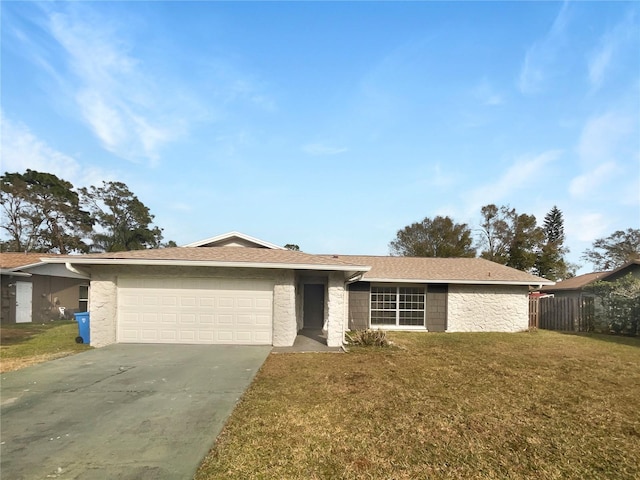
x,y
575,287
237,289
32,290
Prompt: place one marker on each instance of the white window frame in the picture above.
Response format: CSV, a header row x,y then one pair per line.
x,y
80,299
397,310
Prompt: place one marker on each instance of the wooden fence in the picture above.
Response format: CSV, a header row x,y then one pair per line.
x,y
563,313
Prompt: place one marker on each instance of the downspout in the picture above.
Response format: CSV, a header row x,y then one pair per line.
x,y
76,270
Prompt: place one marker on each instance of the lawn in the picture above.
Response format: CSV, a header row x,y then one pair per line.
x,y
26,344
441,406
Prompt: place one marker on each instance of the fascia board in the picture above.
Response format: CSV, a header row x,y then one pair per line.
x,y
209,263
457,282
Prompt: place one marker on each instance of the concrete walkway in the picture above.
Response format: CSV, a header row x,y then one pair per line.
x,y
309,341
123,411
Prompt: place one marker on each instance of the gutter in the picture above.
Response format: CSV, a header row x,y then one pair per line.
x,y
208,263
457,282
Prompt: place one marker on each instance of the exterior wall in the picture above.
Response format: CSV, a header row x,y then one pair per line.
x,y
103,308
359,304
488,308
104,296
49,293
335,310
436,308
284,310
8,298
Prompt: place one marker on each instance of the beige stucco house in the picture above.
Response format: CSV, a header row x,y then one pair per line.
x,y
236,289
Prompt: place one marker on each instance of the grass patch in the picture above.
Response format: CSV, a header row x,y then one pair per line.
x,y
441,406
26,344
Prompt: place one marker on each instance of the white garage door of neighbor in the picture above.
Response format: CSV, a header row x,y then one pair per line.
x,y
194,310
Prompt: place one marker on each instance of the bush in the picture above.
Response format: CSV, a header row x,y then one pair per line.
x,y
368,338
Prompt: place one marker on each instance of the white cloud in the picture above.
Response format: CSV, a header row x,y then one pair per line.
x,y
586,227
486,95
119,100
541,56
585,185
599,63
522,174
602,137
322,149
22,150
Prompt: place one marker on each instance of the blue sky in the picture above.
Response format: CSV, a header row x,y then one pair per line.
x,y
332,125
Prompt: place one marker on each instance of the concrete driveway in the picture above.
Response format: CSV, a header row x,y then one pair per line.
x,y
122,411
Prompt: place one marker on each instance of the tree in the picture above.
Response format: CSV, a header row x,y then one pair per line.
x,y
615,250
550,262
618,306
440,237
123,221
43,214
510,238
292,246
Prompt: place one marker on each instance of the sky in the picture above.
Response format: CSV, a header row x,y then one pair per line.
x,y
331,125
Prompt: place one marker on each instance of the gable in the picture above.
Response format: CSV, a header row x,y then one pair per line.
x,y
234,239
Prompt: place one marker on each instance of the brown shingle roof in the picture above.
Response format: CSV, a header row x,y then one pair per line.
x,y
576,283
11,260
441,270
219,254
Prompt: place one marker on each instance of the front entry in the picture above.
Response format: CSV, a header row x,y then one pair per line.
x,y
313,306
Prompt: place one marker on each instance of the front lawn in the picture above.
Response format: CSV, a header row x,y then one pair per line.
x,y
25,344
441,406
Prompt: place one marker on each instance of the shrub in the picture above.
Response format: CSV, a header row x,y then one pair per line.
x,y
368,338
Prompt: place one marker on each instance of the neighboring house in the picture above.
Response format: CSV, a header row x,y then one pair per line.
x,y
237,289
575,287
32,290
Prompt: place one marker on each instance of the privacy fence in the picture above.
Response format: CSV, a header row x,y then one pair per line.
x,y
566,314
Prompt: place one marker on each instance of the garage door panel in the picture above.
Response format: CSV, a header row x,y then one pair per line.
x,y
194,310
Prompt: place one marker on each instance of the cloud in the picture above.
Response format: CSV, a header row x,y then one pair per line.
x,y
486,95
603,136
584,185
587,227
319,149
118,98
516,178
600,61
542,55
22,150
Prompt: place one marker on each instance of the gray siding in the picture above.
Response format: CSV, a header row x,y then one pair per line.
x,y
437,308
359,305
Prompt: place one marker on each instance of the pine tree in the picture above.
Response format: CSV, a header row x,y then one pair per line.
x,y
550,262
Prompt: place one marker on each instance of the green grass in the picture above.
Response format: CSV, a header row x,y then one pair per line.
x,y
26,344
441,406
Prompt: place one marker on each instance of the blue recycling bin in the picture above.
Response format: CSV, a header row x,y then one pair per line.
x,y
83,327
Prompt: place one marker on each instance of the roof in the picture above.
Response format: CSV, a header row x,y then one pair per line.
x,y
576,283
17,260
581,281
216,256
442,270
239,238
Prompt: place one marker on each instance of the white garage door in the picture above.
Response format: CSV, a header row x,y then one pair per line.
x,y
194,310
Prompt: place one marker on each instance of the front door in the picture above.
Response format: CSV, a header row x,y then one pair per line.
x,y
23,302
313,306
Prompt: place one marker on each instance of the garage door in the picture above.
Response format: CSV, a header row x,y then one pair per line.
x,y
194,310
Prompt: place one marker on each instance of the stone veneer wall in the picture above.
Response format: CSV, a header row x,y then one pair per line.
x,y
285,327
488,308
104,296
335,309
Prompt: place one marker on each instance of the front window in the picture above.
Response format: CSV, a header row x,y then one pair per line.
x,y
397,306
83,298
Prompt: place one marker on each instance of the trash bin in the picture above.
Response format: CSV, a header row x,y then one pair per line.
x,y
83,327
